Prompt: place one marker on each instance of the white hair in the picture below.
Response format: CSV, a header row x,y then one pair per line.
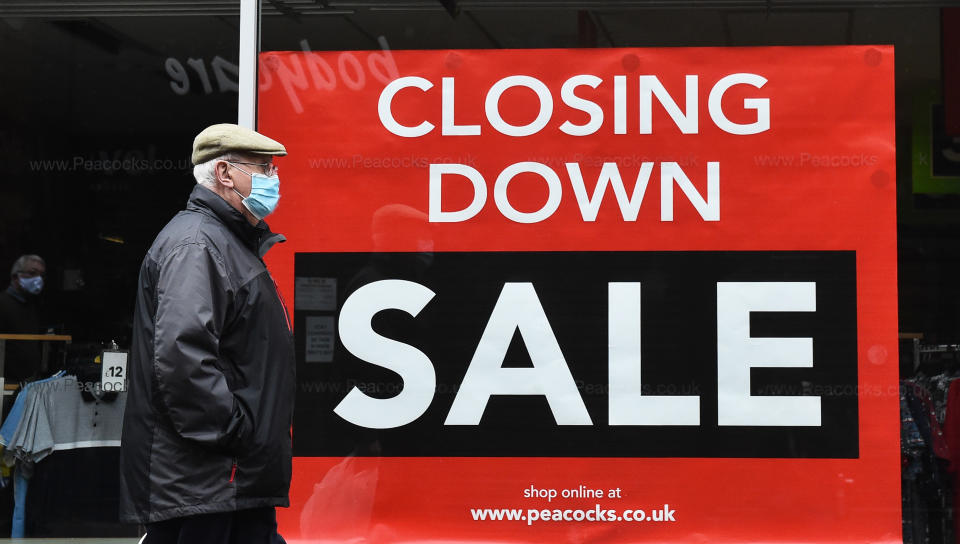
x,y
205,172
21,263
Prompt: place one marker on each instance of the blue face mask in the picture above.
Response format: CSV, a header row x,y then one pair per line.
x,y
264,194
32,285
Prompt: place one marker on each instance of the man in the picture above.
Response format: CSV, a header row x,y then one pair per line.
x,y
206,452
20,314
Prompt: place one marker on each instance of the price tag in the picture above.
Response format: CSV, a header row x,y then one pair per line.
x,y
114,372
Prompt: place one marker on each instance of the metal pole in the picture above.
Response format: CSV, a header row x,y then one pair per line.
x,y
249,48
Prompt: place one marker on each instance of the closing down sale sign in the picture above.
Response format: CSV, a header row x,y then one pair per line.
x,y
615,295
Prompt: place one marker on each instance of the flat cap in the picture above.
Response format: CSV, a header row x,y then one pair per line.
x,y
217,140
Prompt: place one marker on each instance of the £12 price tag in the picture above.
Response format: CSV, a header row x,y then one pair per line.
x,y
114,372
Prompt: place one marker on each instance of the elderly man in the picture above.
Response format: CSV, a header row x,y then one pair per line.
x,y
206,453
20,314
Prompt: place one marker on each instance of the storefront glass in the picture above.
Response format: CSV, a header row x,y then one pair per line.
x,y
102,100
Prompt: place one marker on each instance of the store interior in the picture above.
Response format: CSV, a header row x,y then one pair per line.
x,y
101,101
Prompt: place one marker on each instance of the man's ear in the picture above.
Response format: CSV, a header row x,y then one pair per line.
x,y
224,174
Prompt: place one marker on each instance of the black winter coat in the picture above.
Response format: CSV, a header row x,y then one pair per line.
x,y
211,374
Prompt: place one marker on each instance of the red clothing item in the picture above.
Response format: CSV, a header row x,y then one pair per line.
x,y
942,446
951,432
951,425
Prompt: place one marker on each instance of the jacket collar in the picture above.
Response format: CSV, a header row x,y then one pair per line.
x,y
258,238
12,291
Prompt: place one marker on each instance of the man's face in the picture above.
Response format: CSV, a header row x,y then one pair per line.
x,y
242,168
27,279
235,179
34,269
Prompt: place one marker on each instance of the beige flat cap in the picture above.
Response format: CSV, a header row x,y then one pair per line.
x,y
217,140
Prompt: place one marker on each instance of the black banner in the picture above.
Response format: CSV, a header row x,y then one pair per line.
x,y
600,414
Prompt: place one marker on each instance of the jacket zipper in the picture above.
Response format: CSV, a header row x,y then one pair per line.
x,y
233,470
283,304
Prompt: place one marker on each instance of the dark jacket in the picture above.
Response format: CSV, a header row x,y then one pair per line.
x,y
20,314
211,374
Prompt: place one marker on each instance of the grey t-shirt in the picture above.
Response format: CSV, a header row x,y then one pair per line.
x,y
57,417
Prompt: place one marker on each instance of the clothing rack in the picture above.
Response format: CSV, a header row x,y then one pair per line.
x,y
44,339
928,493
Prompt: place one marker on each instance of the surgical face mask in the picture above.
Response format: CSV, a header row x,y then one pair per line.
x,y
32,285
264,193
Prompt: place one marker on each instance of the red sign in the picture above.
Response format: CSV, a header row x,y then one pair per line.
x,y
609,295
